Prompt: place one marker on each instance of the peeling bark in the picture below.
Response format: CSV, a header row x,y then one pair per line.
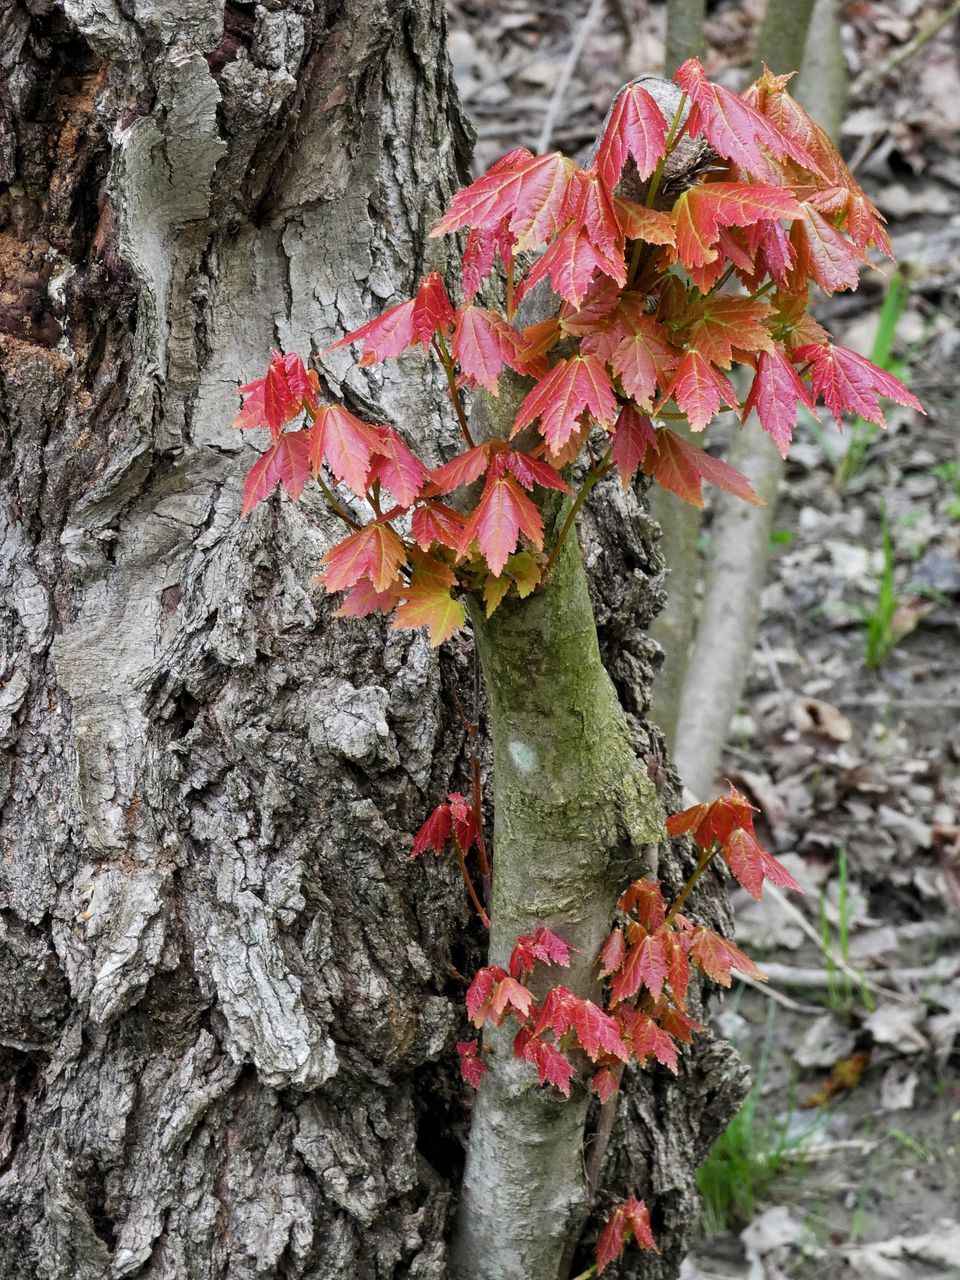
x,y
228,1005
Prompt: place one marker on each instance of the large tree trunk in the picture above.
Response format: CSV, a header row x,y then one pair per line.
x,y
228,999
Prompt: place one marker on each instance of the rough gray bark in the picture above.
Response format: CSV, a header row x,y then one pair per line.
x,y
228,1006
224,987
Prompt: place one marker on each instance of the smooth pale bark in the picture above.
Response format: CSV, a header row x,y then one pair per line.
x,y
685,38
675,626
574,808
782,36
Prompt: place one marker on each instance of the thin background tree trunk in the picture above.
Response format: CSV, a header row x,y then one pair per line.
x,y
229,1001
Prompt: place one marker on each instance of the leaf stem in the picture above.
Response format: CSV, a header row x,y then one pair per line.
x,y
511,306
596,473
658,172
687,889
446,359
477,904
335,505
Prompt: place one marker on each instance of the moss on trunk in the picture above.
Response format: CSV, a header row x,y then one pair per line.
x,y
574,809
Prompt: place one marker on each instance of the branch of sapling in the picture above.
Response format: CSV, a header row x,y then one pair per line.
x,y
593,475
688,888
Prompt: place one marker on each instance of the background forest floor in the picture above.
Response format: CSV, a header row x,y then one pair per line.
x,y
855,766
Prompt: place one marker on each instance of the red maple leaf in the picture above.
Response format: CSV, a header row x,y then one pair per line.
x,y
286,462
530,471
472,1066
647,1038
643,358
636,127
276,398
645,899
397,467
416,320
699,389
681,467
373,552
553,1067
677,1024
630,1216
463,469
481,251
502,514
751,864
717,956
479,996
637,222
776,391
483,343
362,600
533,192
612,953
848,382
429,604
596,1031
645,965
719,325
822,254
434,522
434,833
733,128
571,262
713,822
571,388
604,1084
346,444
701,211
556,1012
510,994
543,945
633,435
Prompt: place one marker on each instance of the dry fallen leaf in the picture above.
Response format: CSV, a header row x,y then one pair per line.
x,y
820,718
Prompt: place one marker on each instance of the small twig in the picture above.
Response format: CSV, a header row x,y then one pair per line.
x,y
586,25
943,970
873,74
778,997
477,904
471,729
835,959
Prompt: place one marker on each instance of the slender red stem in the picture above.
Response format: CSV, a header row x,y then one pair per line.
x,y
687,889
446,359
477,904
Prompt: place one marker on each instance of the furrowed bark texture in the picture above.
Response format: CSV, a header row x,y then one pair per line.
x,y
227,1016
224,988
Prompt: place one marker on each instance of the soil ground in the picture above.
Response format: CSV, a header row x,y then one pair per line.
x,y
854,766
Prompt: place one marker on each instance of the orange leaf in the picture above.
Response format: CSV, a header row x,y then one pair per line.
x,y
374,552
503,512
